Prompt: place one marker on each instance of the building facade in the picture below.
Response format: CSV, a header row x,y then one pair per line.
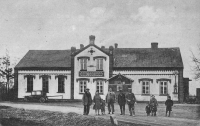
x,y
65,74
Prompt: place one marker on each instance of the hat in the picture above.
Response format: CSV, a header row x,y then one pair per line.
x,y
152,96
87,89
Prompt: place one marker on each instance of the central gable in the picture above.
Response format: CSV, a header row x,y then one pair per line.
x,y
91,51
91,48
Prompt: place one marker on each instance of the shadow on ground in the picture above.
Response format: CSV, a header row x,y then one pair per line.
x,y
21,117
17,122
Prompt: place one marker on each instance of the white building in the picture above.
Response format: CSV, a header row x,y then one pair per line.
x,y
64,74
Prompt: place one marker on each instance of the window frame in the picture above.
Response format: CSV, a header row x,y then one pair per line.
x,y
162,86
29,84
61,86
99,64
83,64
83,87
45,83
100,82
145,82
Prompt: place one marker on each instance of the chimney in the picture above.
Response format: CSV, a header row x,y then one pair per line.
x,y
154,45
81,46
111,63
73,50
103,47
92,39
111,50
116,45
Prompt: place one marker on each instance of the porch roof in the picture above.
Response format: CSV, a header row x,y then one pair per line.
x,y
120,77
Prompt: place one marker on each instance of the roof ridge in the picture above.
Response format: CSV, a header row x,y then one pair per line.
x,y
50,50
148,48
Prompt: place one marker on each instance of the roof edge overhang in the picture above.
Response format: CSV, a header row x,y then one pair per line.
x,y
121,75
76,53
42,68
147,68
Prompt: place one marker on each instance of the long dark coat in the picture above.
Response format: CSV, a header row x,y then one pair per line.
x,y
169,103
121,99
97,101
130,97
87,100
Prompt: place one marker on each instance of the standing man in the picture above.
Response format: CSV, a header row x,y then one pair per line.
x,y
122,101
87,101
131,100
110,99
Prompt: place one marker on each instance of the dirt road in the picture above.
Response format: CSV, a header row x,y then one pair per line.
x,y
139,118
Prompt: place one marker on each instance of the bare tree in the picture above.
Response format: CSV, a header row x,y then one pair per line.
x,y
6,72
196,60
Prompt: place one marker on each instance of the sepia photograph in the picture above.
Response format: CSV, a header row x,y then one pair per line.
x,y
99,63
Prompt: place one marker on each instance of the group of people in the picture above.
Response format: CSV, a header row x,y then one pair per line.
x,y
99,103
129,98
152,106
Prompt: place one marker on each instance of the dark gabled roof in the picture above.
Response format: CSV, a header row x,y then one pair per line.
x,y
40,59
123,58
147,57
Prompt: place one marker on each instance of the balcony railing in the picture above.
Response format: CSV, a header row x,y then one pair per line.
x,y
91,73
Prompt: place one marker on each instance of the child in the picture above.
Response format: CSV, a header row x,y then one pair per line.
x,y
168,104
103,104
148,109
153,109
153,103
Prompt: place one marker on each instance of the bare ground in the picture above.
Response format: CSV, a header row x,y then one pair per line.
x,y
182,114
20,117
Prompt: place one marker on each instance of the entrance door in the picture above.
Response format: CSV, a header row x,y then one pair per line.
x,y
198,94
120,82
119,85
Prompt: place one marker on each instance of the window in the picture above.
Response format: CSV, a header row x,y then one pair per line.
x,y
82,85
145,87
29,83
99,65
61,84
163,87
45,84
99,86
83,64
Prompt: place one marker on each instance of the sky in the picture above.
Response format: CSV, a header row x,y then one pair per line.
x,y
60,24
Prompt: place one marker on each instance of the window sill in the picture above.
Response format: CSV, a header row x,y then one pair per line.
x,y
28,91
145,94
99,70
83,70
163,94
60,92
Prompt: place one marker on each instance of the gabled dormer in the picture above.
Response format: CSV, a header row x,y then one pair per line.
x,y
91,43
91,61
